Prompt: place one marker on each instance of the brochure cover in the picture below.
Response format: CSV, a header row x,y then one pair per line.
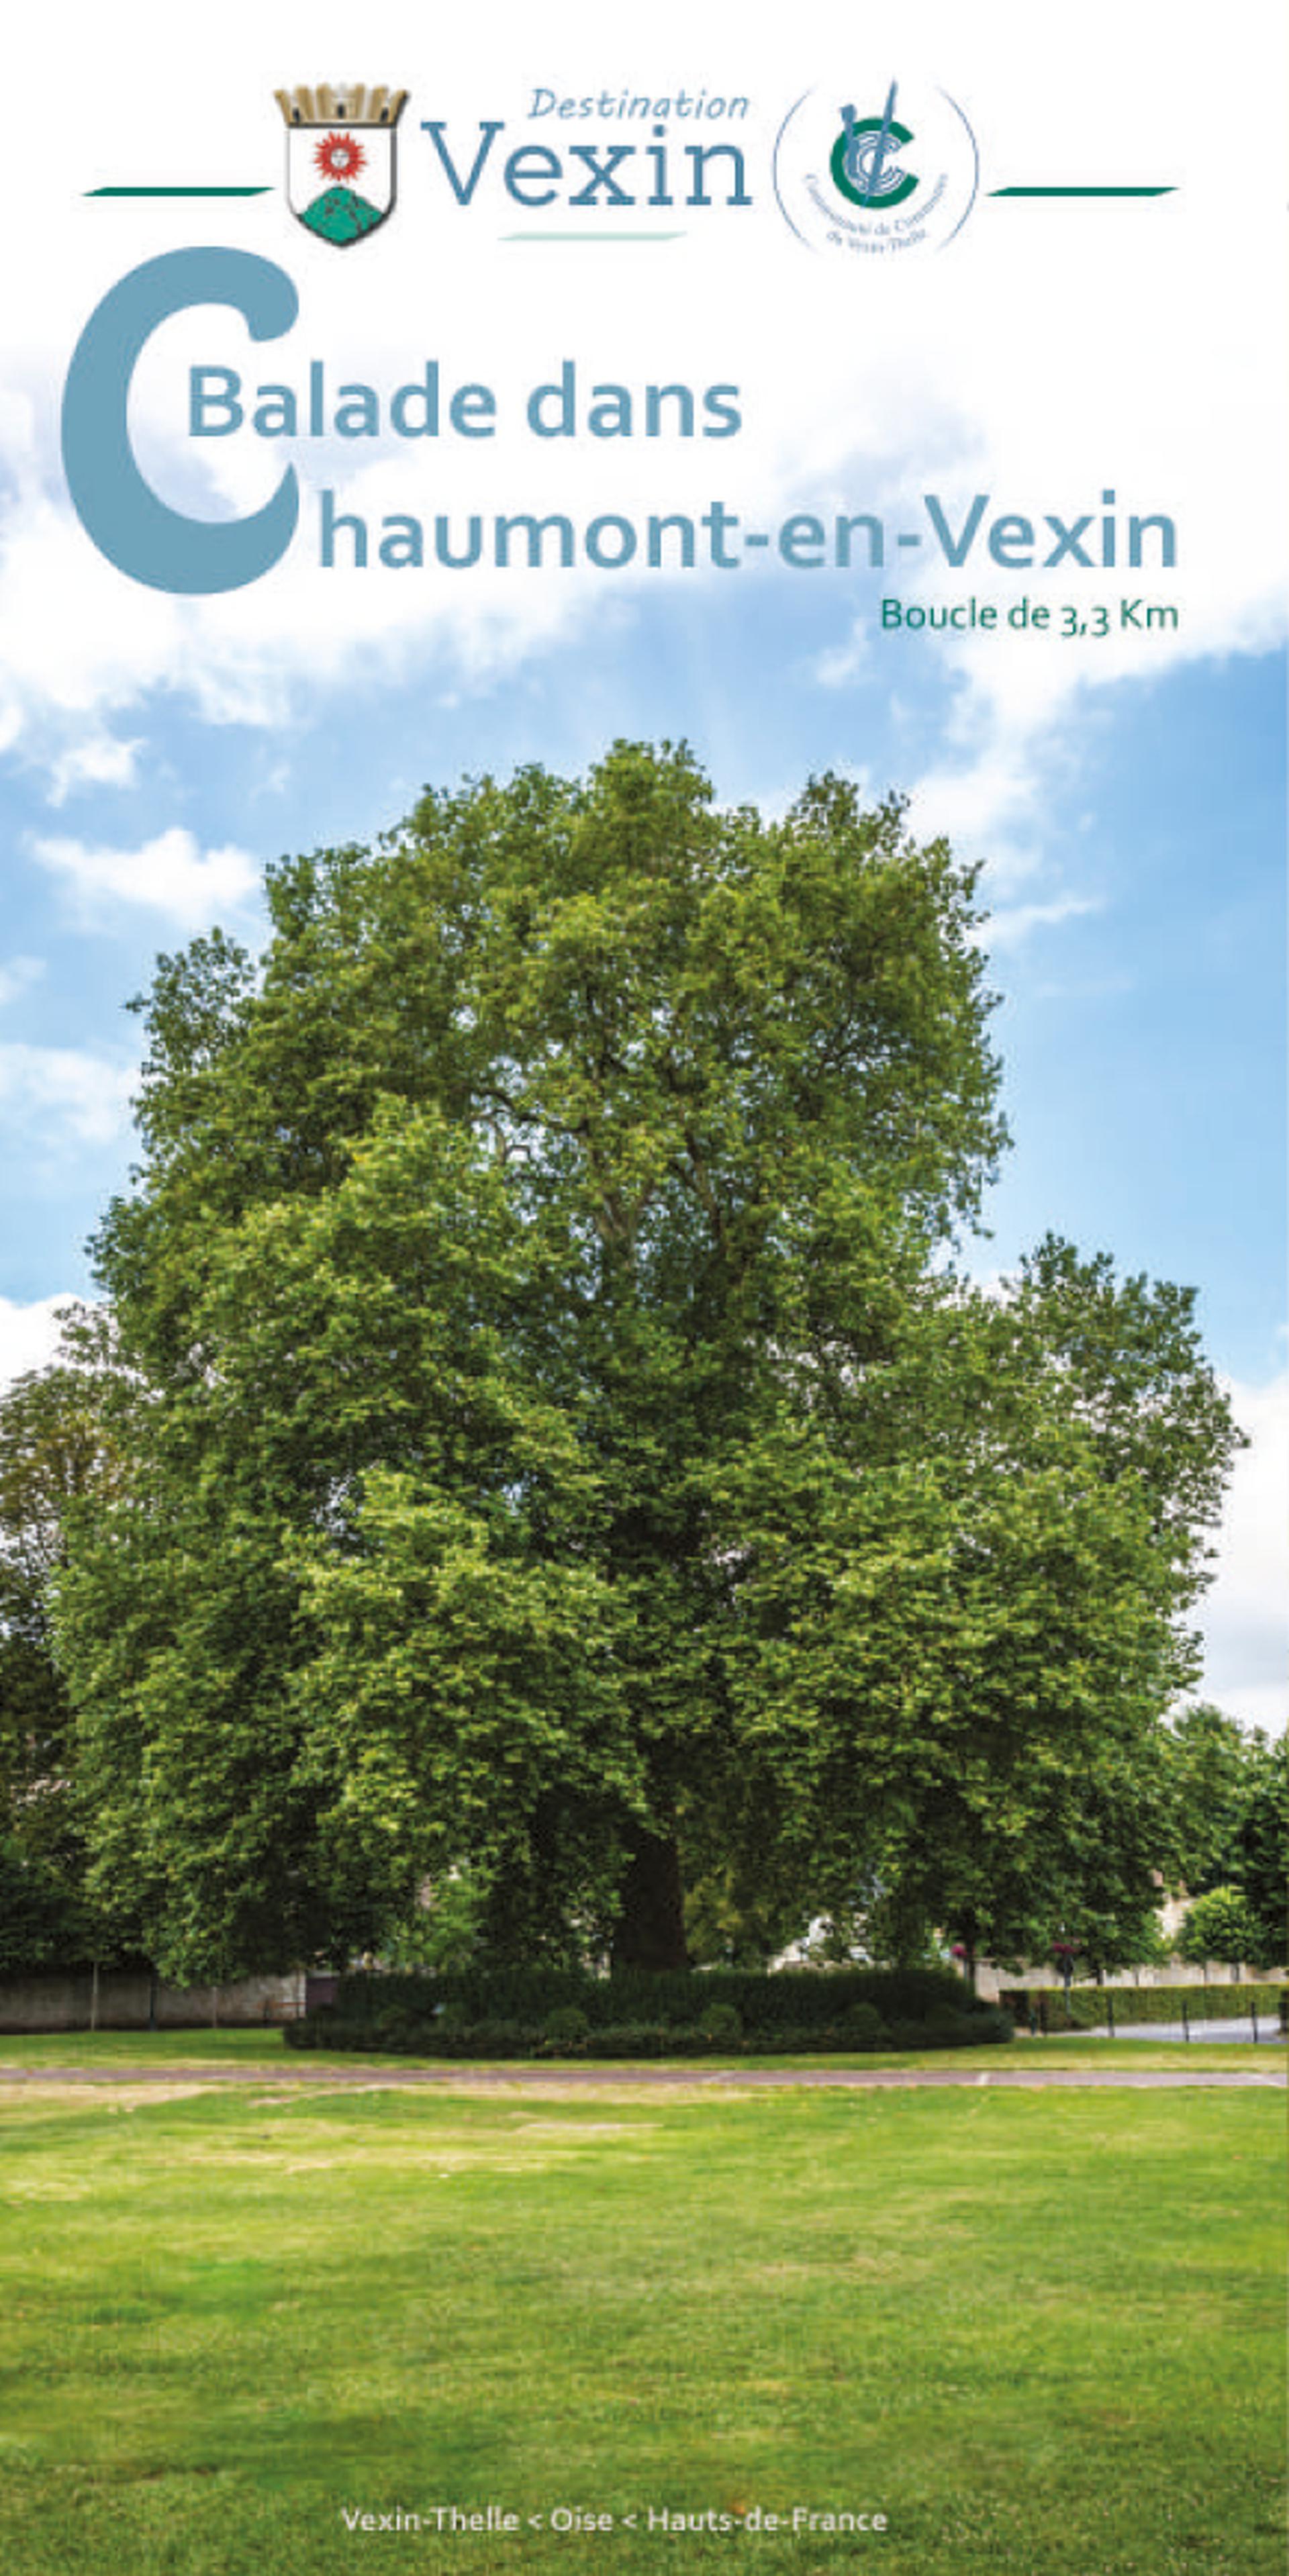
x,y
394,403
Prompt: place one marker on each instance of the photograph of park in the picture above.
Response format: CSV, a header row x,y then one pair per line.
x,y
644,1420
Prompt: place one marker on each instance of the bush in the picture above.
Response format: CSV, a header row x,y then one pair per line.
x,y
722,2024
398,2026
633,2039
911,2034
863,2027
469,2039
567,2027
502,2038
985,2028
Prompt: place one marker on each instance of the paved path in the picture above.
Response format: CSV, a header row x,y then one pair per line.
x,y
367,2078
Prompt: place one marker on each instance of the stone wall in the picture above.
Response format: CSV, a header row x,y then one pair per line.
x,y
130,1999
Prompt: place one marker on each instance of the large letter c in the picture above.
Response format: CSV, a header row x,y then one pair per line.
x,y
118,510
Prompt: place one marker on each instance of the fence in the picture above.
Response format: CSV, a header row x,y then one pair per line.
x,y
1186,2012
991,1981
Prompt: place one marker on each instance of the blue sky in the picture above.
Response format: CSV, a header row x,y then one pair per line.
x,y
1125,797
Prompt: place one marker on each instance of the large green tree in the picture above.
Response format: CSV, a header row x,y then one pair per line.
x,y
560,1449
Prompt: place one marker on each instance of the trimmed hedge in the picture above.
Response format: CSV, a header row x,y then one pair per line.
x,y
764,2000
1088,2004
544,2012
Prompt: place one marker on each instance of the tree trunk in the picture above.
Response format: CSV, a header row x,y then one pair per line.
x,y
651,1927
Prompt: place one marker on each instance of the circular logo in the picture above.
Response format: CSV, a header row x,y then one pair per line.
x,y
895,172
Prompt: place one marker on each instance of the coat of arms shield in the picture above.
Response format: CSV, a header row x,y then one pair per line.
x,y
340,158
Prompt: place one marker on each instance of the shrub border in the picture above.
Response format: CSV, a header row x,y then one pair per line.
x,y
540,2012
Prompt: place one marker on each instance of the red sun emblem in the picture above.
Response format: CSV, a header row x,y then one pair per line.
x,y
339,157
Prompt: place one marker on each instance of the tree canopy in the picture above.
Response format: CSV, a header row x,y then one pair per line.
x,y
1231,1804
561,1448
52,1453
1220,1925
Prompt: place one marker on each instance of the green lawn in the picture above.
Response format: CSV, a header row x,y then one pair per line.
x,y
1040,2332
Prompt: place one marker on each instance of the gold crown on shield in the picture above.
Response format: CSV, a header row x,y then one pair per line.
x,y
353,106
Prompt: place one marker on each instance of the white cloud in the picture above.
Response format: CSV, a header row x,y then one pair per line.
x,y
839,664
99,761
29,1334
1009,924
62,1093
1014,733
169,875
1246,1615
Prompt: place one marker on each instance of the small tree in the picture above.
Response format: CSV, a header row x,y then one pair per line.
x,y
1112,1941
1221,1926
1230,1794
1209,1771
1263,1847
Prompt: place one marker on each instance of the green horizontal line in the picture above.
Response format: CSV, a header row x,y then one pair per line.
x,y
178,192
1082,192
592,237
